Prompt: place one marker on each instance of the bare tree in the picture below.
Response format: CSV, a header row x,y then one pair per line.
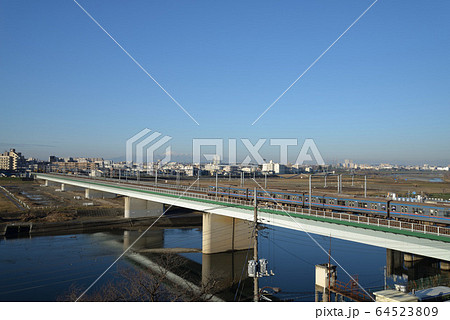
x,y
150,284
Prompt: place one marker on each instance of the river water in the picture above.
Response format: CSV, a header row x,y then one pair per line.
x,y
45,268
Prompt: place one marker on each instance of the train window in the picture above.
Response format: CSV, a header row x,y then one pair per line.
x,y
416,210
362,205
374,206
383,207
331,201
420,211
322,200
404,209
341,203
394,208
446,213
351,204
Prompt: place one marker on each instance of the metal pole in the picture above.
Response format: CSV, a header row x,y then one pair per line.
x,y
338,183
119,175
156,177
216,185
255,250
309,194
365,186
265,181
352,179
325,181
138,174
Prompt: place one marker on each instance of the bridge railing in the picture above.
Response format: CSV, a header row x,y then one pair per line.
x,y
400,225
380,222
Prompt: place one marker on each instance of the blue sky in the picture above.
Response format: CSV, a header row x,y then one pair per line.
x,y
379,95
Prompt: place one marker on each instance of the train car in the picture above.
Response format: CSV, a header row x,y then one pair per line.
x,y
386,208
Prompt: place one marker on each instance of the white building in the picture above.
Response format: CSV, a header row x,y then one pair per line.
x,y
272,167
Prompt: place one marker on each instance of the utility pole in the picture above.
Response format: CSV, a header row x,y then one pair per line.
x,y
198,178
325,185
265,180
365,186
156,177
338,183
138,174
119,175
216,184
255,249
352,179
329,273
310,193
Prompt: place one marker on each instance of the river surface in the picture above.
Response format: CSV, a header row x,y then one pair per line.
x,y
45,268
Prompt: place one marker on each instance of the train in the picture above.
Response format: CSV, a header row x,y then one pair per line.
x,y
433,213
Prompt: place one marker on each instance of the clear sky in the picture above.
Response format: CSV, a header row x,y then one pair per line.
x,y
381,94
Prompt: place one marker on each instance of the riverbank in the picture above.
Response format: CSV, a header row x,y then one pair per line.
x,y
90,224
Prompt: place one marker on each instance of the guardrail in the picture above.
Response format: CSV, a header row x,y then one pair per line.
x,y
338,216
21,202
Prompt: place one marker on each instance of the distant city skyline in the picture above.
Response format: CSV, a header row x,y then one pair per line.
x,y
380,95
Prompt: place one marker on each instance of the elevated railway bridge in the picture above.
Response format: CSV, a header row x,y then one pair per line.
x,y
234,217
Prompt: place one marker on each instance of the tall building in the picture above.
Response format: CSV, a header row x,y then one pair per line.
x,y
5,162
11,160
272,167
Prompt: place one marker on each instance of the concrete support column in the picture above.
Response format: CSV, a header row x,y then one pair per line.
x,y
63,187
46,183
95,194
445,265
137,208
408,257
222,234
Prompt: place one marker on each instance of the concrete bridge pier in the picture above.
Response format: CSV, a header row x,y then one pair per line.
x,y
137,208
445,265
49,183
94,194
411,259
68,187
223,234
